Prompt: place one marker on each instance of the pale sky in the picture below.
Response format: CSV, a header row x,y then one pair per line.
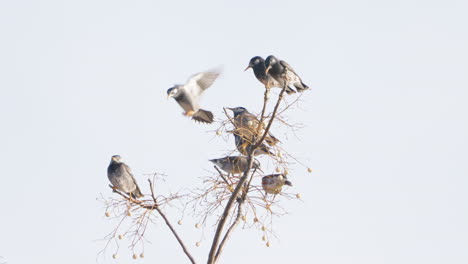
x,y
385,124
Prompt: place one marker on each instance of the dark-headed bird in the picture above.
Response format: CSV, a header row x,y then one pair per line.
x,y
283,73
273,184
249,127
235,164
121,177
245,146
257,63
188,95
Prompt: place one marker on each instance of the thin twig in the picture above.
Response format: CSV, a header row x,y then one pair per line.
x,y
229,231
169,225
221,175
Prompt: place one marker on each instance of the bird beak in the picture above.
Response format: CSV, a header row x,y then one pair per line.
x,y
248,67
268,69
232,109
168,96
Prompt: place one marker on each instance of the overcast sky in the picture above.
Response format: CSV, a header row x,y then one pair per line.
x,y
385,124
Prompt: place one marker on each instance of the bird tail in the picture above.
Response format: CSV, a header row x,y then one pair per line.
x,y
203,116
301,86
289,90
271,140
136,193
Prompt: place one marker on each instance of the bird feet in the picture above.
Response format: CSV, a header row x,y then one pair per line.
x,y
189,113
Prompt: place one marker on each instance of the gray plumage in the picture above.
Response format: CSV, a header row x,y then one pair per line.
x,y
247,126
121,177
188,95
235,164
245,146
257,63
283,73
273,184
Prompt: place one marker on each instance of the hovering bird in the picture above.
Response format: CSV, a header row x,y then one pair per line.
x,y
283,73
235,164
273,184
257,63
247,126
245,146
121,177
188,95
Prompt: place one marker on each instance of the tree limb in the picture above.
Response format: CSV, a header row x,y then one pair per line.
x,y
156,206
213,255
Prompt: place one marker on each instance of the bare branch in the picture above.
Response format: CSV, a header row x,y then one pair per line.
x,y
229,231
169,224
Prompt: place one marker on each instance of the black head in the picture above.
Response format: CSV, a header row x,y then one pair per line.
x,y
269,62
116,159
172,92
255,62
238,110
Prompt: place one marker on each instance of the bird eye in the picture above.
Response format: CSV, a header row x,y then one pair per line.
x,y
256,61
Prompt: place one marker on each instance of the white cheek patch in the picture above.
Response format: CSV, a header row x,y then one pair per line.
x,y
256,61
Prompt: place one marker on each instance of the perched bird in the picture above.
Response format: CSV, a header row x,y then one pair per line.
x,y
247,126
283,73
188,95
257,63
244,146
121,177
235,164
273,184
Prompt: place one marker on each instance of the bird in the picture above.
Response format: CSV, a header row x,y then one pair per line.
x,y
257,63
235,164
245,146
283,73
188,95
121,177
247,126
273,183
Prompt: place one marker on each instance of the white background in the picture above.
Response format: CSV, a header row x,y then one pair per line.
x,y
385,123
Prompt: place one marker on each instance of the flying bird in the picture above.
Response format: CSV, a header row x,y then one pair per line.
x,y
235,164
121,177
257,63
283,73
273,184
249,127
245,146
188,95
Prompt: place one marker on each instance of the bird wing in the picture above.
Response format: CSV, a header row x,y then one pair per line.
x,y
129,172
287,66
201,81
292,75
187,102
